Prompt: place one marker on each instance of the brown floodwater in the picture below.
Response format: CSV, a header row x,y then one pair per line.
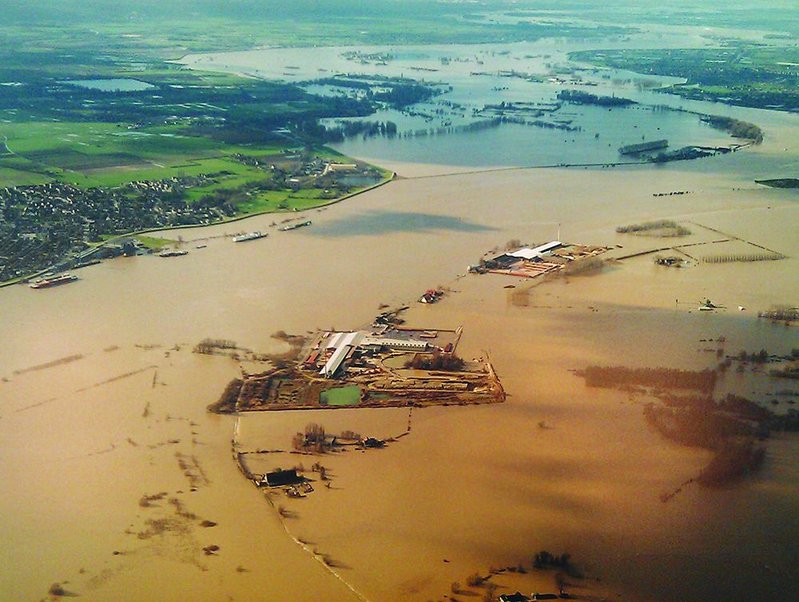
x,y
558,467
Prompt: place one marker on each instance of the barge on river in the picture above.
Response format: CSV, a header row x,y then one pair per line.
x,y
249,236
53,280
173,253
295,226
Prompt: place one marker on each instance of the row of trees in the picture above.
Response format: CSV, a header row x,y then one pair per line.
x,y
547,560
665,378
735,127
586,98
662,224
729,427
394,92
447,362
368,129
543,560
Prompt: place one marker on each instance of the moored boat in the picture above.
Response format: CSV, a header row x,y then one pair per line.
x,y
295,226
249,236
53,280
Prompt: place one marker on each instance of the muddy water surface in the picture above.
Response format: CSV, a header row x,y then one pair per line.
x,y
557,467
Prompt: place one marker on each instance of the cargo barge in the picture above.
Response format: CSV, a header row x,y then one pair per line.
x,y
53,280
295,226
249,236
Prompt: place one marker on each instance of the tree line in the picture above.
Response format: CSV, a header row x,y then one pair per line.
x,y
666,378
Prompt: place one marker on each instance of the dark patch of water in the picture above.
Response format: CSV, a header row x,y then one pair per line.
x,y
385,222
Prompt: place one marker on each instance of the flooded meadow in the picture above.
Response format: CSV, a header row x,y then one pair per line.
x,y
116,475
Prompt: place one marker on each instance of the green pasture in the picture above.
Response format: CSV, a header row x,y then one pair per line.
x,y
282,200
151,242
341,396
14,177
106,154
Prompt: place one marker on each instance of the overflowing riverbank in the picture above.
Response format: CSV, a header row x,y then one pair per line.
x,y
555,467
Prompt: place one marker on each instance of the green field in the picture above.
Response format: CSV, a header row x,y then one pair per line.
x,y
108,154
341,396
151,242
739,73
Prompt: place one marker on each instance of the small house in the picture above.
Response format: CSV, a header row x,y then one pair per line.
x,y
279,478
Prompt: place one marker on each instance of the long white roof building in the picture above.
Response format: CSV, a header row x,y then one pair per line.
x,y
528,253
343,342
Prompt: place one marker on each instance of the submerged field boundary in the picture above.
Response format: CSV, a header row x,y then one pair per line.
x,y
679,248
312,552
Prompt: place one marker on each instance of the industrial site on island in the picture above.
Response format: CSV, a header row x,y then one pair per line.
x,y
531,262
387,365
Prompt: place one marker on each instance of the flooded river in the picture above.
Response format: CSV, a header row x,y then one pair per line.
x,y
475,84
124,415
115,475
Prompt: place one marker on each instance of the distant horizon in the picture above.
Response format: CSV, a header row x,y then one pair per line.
x,y
683,11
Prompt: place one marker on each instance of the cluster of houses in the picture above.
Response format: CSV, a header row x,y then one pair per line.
x,y
315,167
296,171
169,185
42,224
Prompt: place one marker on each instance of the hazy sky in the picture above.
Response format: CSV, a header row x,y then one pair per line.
x,y
777,14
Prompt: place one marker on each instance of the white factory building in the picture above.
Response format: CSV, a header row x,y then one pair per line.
x,y
344,344
537,252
